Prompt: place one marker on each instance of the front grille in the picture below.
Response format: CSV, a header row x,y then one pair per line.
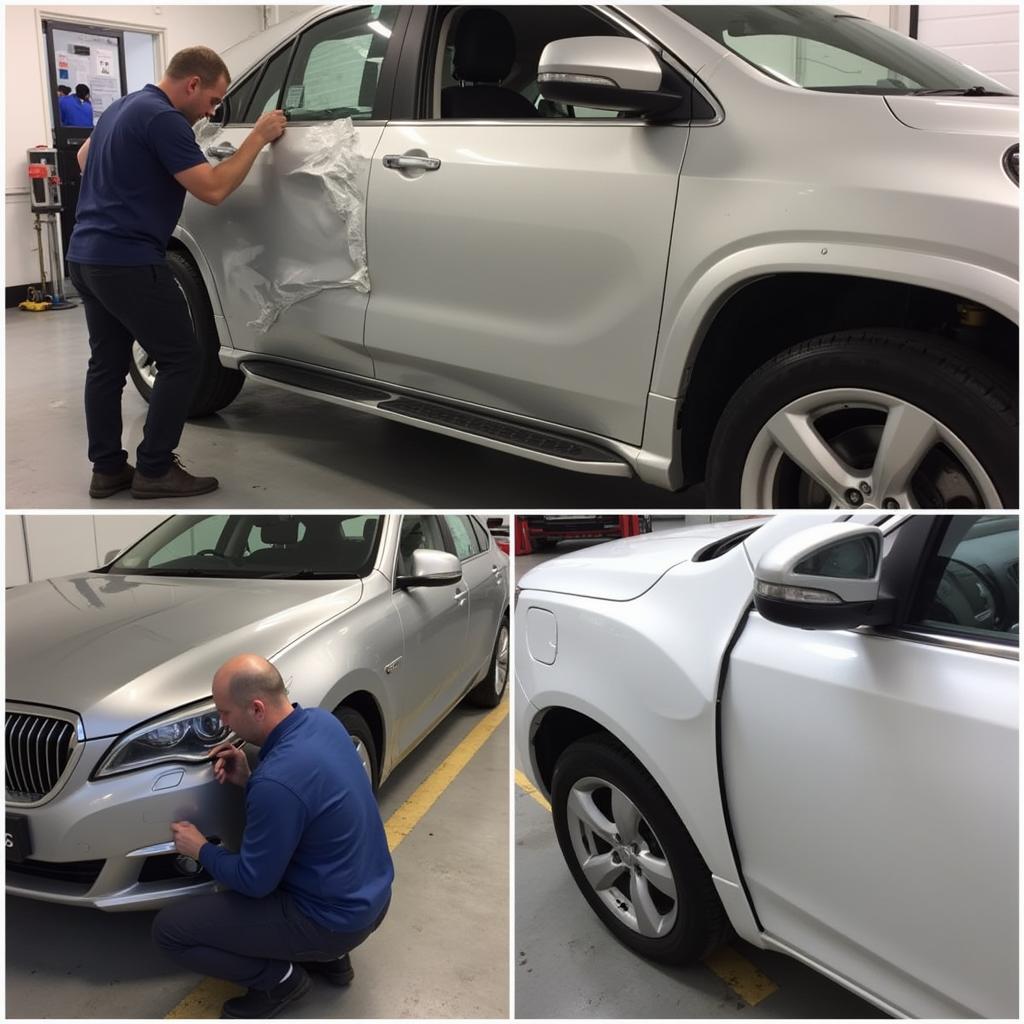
x,y
84,872
38,749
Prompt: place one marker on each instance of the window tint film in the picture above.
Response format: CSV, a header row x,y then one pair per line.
x,y
970,585
235,104
337,66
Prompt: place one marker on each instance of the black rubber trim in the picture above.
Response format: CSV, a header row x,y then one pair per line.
x,y
499,430
723,671
311,380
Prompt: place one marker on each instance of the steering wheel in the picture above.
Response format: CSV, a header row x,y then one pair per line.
x,y
958,595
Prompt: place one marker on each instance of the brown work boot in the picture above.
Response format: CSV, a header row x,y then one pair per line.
x,y
175,483
103,485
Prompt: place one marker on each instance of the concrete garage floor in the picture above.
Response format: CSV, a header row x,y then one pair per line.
x,y
568,965
270,448
441,952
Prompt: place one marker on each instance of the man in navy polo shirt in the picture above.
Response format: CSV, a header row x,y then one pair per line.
x,y
313,877
139,162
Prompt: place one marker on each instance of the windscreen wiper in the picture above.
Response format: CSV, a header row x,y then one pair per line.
x,y
310,574
975,90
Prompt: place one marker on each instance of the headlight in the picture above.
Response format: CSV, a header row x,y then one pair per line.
x,y
188,734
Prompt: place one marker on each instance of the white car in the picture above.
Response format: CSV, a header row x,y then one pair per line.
x,y
804,728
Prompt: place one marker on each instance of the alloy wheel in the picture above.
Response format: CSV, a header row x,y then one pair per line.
x,y
501,661
621,857
364,757
852,448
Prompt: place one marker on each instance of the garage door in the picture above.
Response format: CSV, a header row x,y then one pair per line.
x,y
984,37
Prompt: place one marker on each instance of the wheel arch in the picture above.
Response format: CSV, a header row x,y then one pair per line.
x,y
183,242
366,704
782,309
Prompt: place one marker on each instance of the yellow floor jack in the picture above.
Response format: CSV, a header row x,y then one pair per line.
x,y
46,203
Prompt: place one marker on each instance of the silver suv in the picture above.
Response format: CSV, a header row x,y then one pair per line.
x,y
773,248
387,621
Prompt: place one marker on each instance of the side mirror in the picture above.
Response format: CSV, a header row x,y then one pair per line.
x,y
431,569
605,72
825,577
110,556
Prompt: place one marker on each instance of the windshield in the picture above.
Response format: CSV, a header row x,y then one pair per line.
x,y
255,547
826,50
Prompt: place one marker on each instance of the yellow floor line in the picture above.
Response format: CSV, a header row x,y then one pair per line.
x,y
750,984
529,788
206,999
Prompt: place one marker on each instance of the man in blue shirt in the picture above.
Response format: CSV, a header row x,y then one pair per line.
x,y
76,111
312,879
139,162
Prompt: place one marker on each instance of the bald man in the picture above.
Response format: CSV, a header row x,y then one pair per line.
x,y
312,879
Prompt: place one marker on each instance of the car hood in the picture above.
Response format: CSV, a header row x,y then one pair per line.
x,y
962,115
119,650
624,569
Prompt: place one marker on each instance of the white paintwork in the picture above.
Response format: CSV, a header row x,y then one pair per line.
x,y
871,781
626,63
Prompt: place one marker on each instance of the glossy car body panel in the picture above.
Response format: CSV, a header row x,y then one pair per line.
x,y
121,650
868,824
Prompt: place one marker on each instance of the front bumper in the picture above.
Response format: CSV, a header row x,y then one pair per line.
x,y
83,839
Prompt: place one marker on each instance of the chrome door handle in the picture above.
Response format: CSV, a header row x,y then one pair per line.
x,y
461,596
396,162
221,150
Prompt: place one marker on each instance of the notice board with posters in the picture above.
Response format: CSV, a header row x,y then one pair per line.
x,y
89,57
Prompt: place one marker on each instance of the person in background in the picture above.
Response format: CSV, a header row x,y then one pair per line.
x,y
76,110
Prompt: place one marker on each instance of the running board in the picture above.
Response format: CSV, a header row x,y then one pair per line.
x,y
491,431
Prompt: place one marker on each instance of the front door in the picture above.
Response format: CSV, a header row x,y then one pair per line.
x,y
524,272
287,248
872,784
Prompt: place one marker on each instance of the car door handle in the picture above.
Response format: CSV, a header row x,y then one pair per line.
x,y
460,596
398,162
221,150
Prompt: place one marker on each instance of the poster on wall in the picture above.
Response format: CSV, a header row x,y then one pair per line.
x,y
86,59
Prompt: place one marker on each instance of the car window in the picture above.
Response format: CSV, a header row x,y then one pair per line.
x,y
970,582
463,537
532,28
337,65
235,104
204,535
482,536
267,94
418,533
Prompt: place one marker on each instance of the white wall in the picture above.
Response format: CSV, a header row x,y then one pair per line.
x,y
38,547
986,38
26,111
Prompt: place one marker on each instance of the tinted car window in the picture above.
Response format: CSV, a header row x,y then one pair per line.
x,y
337,65
970,584
482,536
418,533
267,94
236,102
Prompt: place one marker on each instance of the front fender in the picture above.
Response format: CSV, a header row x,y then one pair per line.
x,y
188,242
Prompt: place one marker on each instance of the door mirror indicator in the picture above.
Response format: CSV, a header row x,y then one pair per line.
x,y
606,73
825,577
431,569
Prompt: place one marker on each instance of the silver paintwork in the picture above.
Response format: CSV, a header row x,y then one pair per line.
x,y
625,63
120,650
634,236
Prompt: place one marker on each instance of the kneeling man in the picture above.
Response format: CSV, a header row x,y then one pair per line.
x,y
312,879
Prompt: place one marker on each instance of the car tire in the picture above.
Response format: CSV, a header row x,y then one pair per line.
x,y
858,379
699,924
489,691
217,386
362,739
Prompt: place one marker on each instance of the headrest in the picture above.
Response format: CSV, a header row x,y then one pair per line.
x,y
485,46
279,531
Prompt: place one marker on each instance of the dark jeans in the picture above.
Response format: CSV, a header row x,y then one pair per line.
x,y
248,941
122,305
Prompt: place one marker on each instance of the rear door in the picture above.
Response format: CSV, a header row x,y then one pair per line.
x,y
287,248
872,783
525,273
